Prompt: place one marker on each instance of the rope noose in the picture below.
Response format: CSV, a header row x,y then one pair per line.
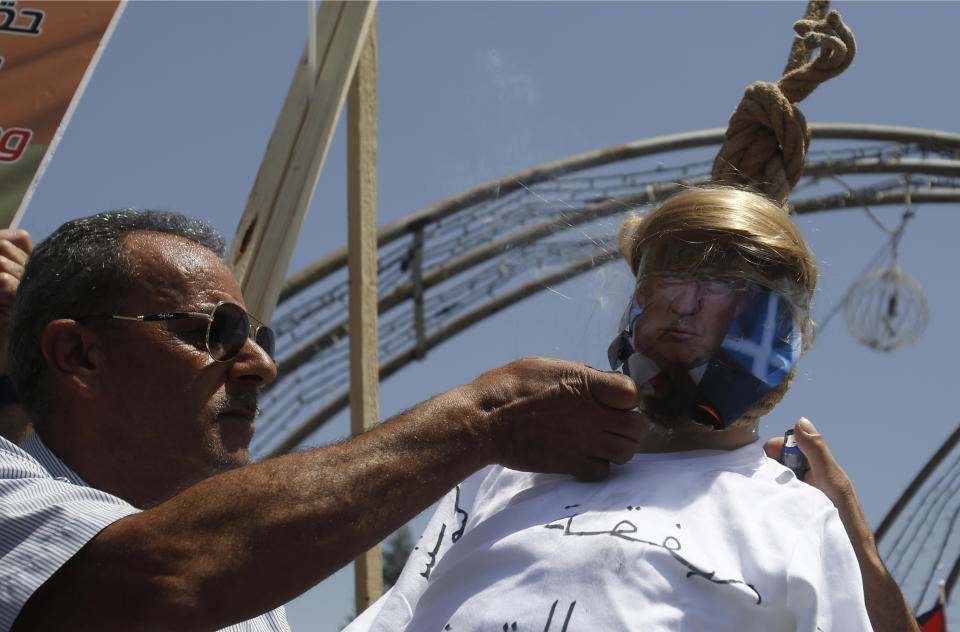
x,y
767,137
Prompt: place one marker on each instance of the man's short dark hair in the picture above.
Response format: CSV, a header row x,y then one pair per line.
x,y
82,268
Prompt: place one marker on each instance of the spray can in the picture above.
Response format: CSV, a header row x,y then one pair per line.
x,y
791,456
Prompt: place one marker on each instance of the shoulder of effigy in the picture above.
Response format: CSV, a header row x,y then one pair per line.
x,y
775,484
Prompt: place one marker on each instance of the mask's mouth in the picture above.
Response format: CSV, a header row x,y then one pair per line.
x,y
677,331
759,349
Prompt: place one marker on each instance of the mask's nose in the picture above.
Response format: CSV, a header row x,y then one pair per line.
x,y
684,298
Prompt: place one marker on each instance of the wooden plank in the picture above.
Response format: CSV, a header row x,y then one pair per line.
x,y
281,195
362,262
416,273
270,175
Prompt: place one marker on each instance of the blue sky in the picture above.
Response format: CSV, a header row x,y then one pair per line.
x,y
185,98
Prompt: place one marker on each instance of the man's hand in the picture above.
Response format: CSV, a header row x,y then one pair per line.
x,y
15,249
825,473
885,603
556,416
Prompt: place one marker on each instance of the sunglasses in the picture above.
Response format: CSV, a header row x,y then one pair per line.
x,y
228,329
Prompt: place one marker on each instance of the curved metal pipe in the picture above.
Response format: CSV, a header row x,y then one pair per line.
x,y
932,139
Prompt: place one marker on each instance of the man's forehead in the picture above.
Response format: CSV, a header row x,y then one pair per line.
x,y
172,250
179,269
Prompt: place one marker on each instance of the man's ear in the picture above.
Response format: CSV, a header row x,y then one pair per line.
x,y
74,356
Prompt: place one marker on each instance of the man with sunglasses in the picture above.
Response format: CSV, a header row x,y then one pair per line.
x,y
133,505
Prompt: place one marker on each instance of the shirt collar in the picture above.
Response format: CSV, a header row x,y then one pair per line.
x,y
36,448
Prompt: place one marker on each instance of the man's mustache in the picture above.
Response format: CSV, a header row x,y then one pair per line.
x,y
246,399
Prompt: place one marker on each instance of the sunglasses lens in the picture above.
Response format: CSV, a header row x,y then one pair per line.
x,y
228,331
267,340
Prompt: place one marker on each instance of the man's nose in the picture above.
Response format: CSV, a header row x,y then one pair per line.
x,y
685,298
253,364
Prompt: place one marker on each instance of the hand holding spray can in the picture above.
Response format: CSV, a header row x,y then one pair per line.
x,y
791,456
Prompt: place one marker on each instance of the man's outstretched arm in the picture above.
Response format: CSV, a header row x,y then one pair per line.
x,y
246,541
885,603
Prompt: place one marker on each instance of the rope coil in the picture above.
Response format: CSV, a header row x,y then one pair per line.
x,y
767,137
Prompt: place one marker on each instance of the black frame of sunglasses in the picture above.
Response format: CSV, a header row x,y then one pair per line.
x,y
253,327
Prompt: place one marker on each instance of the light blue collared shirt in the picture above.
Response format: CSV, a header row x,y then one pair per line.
x,y
47,514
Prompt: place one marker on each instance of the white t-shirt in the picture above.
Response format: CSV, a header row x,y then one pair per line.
x,y
698,540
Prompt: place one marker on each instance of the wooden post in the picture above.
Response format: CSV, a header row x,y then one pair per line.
x,y
416,274
261,251
362,262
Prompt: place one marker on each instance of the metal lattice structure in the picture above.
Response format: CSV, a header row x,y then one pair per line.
x,y
452,264
919,539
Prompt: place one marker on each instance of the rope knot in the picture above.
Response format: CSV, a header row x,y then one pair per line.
x,y
766,142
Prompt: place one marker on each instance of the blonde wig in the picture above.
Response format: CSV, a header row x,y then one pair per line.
x,y
733,231
730,230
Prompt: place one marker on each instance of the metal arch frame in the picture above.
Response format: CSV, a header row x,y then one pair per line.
x,y
928,138
911,491
415,222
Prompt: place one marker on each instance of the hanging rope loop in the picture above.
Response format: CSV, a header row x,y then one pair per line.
x,y
837,50
766,142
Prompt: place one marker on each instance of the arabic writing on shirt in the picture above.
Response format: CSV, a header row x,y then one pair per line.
x,y
627,530
512,627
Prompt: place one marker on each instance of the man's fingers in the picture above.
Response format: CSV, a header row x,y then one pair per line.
x,y
825,473
17,236
15,245
556,416
631,424
612,389
591,469
611,447
773,448
810,442
11,268
813,446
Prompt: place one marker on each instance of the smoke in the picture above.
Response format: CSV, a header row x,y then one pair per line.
x,y
513,85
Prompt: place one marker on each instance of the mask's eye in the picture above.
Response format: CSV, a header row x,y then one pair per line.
x,y
719,285
724,285
673,279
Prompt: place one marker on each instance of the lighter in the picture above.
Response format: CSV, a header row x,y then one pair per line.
x,y
791,456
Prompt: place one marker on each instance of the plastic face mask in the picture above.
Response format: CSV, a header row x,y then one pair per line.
x,y
706,348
